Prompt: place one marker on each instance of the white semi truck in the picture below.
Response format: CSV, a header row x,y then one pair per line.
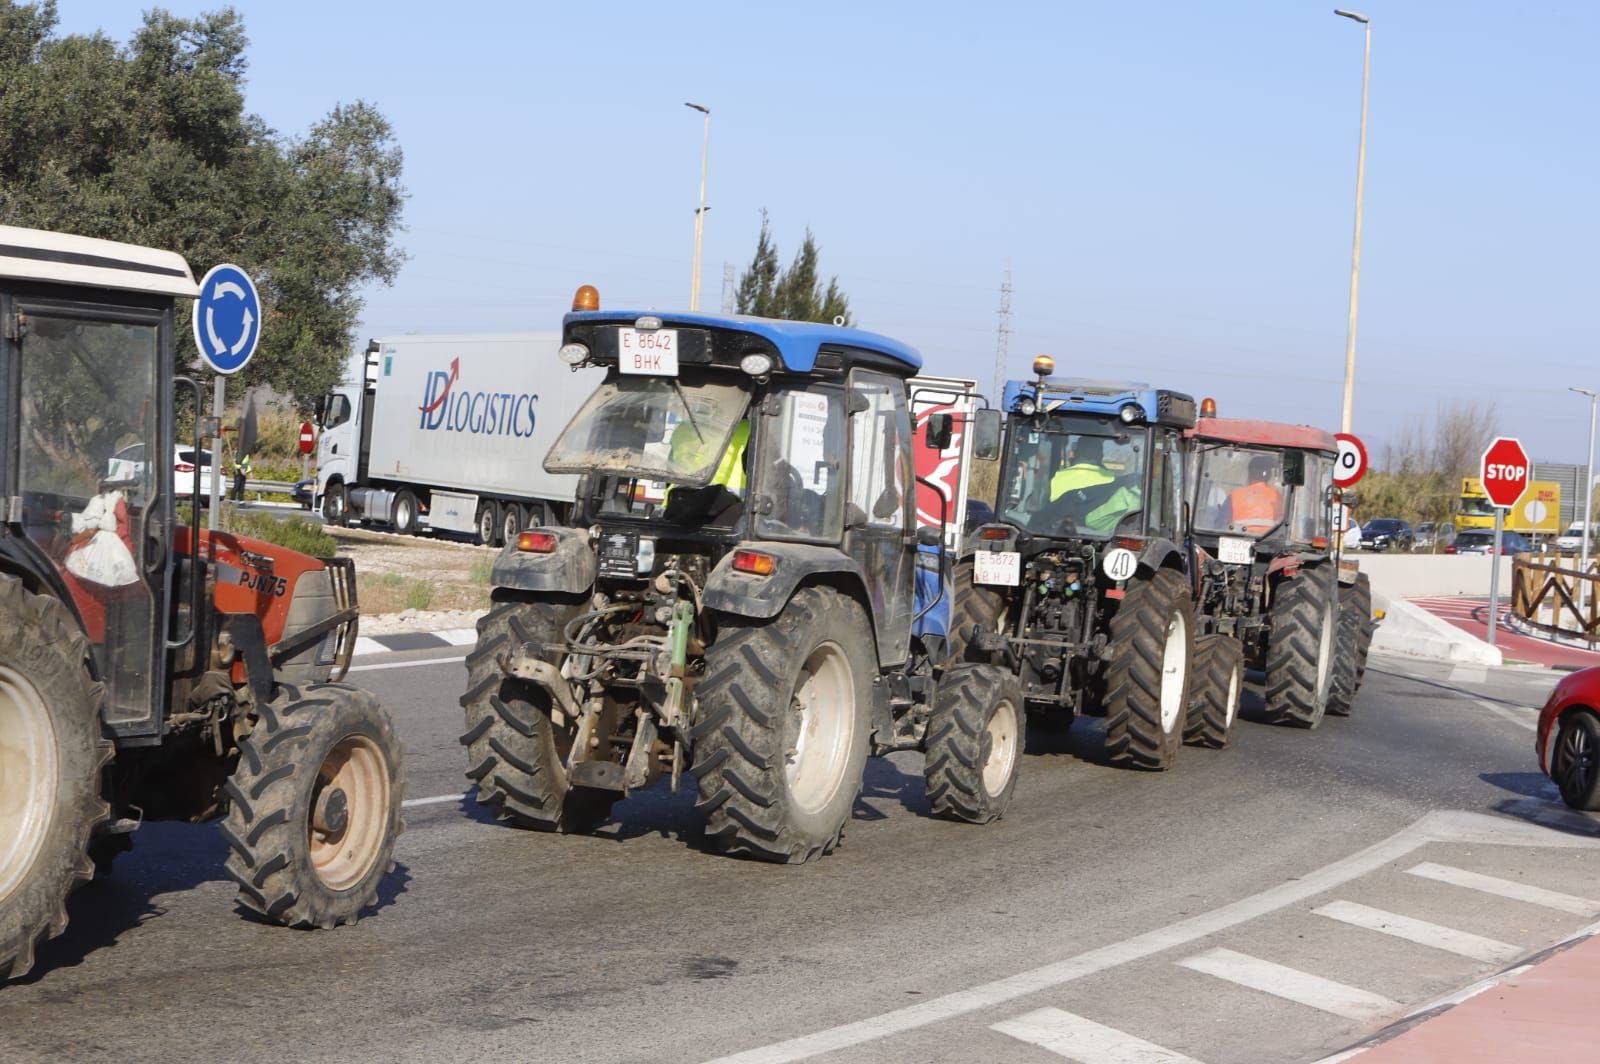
x,y
450,433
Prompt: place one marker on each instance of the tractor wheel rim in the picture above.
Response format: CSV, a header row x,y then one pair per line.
x,y
1003,731
824,703
1577,760
1172,666
1325,652
29,777
1231,710
344,852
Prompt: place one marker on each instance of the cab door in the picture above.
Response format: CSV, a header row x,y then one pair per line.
x,y
94,478
881,491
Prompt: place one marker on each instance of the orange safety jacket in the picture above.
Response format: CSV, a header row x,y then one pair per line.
x,y
1257,506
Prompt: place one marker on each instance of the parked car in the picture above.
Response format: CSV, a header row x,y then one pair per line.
x,y
1385,533
1568,738
128,464
1351,530
304,492
1434,535
1481,541
1571,541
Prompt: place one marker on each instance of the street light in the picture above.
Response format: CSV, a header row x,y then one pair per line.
x,y
1588,499
1355,253
700,213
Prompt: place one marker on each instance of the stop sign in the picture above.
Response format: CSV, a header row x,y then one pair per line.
x,y
308,438
1505,472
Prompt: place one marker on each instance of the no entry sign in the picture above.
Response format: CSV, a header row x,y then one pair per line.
x,y
308,438
1506,471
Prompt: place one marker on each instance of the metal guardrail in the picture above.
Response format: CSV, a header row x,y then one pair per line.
x,y
1554,597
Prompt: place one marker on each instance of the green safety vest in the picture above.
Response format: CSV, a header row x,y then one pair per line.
x,y
1102,518
730,471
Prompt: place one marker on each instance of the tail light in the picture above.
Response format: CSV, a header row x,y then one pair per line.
x,y
1451,549
185,467
536,542
755,562
995,532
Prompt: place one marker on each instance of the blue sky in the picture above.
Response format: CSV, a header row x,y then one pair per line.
x,y
1171,185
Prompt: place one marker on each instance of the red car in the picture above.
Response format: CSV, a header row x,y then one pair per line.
x,y
1568,739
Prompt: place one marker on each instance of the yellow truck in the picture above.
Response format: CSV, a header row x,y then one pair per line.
x,y
1537,512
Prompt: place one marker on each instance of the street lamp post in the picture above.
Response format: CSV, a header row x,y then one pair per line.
x,y
700,212
1588,504
1355,253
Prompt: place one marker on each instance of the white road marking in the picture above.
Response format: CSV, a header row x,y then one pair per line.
x,y
1469,674
1518,716
1292,984
1475,828
367,645
459,637
437,799
1448,939
1505,888
408,664
1083,1040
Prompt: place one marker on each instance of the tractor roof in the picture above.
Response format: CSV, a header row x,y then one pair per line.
x,y
1264,434
797,341
36,255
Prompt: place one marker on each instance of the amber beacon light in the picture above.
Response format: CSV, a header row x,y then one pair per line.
x,y
587,297
1044,365
1208,407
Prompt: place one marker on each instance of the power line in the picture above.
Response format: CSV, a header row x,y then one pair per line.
x,y
1002,343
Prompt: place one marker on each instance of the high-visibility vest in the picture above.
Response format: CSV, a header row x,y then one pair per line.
x,y
1078,476
730,470
1256,506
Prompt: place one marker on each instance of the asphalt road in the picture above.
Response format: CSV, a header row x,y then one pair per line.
x,y
1245,906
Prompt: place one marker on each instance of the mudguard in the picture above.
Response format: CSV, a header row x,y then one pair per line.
x,y
1162,554
570,568
748,595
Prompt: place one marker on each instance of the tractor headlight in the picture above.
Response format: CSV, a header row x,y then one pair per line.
x,y
573,354
757,364
1026,406
1130,413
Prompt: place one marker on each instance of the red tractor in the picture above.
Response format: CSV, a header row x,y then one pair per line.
x,y
148,671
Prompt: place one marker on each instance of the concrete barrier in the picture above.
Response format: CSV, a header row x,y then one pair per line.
x,y
1410,629
1403,576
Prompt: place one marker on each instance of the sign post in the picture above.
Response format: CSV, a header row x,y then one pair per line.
x,y
227,326
1506,470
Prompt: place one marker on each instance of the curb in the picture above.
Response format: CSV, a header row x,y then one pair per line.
x,y
367,645
1410,629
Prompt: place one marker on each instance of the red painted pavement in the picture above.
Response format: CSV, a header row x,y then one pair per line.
x,y
1471,615
1549,1014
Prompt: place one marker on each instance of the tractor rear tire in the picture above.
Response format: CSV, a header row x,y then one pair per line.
x,y
314,806
1360,608
1219,678
1349,663
976,732
781,727
972,605
51,756
1301,643
1147,674
515,750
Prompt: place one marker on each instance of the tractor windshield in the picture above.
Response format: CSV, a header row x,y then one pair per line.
x,y
1239,491
1075,476
655,428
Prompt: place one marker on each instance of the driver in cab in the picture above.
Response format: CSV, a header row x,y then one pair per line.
x,y
720,501
1257,507
1084,472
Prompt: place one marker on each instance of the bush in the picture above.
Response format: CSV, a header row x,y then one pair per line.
x,y
419,595
293,532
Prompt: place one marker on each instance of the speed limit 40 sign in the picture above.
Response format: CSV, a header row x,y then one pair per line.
x,y
1351,465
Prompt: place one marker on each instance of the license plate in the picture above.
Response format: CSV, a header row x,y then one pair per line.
x,y
1234,550
648,353
997,567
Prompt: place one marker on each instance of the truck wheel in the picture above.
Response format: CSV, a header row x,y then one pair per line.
x,y
1147,674
51,754
972,604
404,513
1219,677
488,522
1575,762
336,506
314,806
975,740
781,722
515,750
1303,630
511,523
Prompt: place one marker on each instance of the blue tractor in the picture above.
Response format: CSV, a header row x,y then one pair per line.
x,y
1081,584
744,595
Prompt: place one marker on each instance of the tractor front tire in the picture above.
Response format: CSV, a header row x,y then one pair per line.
x,y
314,806
781,727
1147,675
976,732
51,755
1301,642
1219,678
516,751
973,605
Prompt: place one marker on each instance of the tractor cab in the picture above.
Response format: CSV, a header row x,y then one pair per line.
x,y
1263,485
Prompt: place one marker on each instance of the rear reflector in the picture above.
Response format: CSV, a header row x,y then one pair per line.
x,y
751,561
536,542
995,533
1319,541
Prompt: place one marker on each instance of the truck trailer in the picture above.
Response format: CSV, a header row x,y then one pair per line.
x,y
449,433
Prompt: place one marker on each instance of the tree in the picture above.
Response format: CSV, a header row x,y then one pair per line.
x,y
796,293
150,144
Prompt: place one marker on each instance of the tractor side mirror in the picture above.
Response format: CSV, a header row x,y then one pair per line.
x,y
986,434
940,429
1294,468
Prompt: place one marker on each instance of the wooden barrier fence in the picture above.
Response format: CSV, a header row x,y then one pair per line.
x,y
1549,592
